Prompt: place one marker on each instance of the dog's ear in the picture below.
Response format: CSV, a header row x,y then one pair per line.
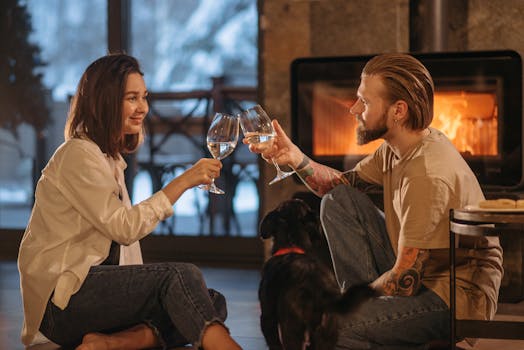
x,y
280,220
290,222
269,224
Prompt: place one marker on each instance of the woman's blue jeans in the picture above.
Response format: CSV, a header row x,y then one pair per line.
x,y
171,298
361,252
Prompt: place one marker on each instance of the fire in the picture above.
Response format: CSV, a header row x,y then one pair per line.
x,y
469,119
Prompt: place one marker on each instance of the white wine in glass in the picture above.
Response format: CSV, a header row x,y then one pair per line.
x,y
260,138
222,138
220,150
257,128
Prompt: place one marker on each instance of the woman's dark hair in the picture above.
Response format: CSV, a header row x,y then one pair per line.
x,y
96,108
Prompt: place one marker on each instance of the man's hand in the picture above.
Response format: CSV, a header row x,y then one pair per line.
x,y
282,150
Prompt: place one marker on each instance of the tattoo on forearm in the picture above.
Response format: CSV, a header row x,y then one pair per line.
x,y
319,178
406,278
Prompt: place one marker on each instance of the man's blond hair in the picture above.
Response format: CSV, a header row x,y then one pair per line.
x,y
405,78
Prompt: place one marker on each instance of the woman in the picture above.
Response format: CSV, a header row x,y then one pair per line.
x,y
83,229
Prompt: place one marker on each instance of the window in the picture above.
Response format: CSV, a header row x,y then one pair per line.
x,y
182,45
69,37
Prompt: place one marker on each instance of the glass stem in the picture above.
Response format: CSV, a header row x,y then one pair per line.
x,y
276,165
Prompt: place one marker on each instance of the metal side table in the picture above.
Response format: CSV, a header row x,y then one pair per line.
x,y
481,223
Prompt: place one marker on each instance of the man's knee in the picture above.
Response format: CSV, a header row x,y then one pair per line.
x,y
342,196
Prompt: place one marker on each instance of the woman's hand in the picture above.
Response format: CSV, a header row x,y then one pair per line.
x,y
283,150
202,172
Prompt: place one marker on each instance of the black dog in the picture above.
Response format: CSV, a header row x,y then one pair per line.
x,y
299,296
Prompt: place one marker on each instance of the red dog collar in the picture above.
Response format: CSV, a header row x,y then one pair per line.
x,y
284,251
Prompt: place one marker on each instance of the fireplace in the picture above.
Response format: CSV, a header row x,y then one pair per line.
x,y
477,105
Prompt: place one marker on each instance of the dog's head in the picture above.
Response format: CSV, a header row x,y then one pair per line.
x,y
292,224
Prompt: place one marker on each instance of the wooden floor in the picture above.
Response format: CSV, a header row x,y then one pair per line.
x,y
238,285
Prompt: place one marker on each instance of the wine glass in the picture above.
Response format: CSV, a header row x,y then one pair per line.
x,y
222,138
257,128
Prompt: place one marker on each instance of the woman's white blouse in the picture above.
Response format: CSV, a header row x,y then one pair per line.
x,y
81,205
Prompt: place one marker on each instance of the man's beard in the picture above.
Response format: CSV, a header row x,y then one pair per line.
x,y
367,135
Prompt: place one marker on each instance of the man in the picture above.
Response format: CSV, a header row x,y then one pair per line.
x,y
404,252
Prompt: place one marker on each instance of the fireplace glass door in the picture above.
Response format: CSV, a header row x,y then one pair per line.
x,y
476,104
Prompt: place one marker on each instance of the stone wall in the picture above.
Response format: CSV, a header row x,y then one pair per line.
x,y
495,25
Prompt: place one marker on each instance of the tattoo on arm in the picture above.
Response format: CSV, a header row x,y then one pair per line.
x,y
319,178
405,279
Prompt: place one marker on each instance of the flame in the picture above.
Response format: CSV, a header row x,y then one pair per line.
x,y
469,119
